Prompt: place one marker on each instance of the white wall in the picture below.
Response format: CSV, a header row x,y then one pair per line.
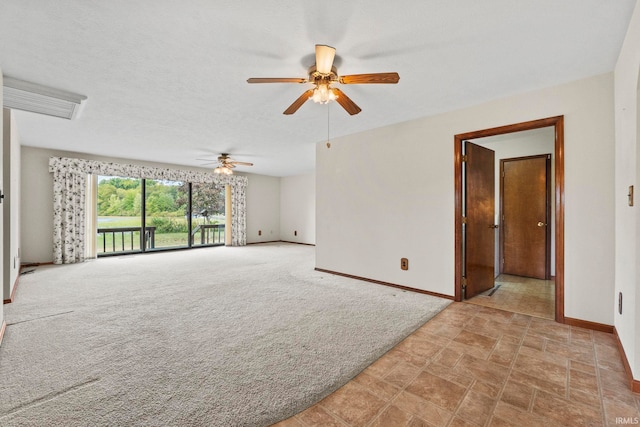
x,y
36,226
263,208
627,232
263,201
298,209
521,144
370,215
11,204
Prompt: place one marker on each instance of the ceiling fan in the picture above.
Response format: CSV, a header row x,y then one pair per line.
x,y
323,75
226,164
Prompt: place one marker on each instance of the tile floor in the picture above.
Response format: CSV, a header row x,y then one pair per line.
x,y
479,366
520,295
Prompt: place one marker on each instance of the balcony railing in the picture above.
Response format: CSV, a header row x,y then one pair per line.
x,y
126,239
210,234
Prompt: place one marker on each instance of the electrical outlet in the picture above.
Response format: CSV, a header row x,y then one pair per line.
x,y
259,232
404,263
295,233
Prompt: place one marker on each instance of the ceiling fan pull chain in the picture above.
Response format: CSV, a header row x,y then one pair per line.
x,y
328,140
328,121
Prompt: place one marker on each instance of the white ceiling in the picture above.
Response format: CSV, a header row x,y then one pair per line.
x,y
166,79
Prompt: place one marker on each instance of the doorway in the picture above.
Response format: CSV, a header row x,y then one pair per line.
x,y
556,229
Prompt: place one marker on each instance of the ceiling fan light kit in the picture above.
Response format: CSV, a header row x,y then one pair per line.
x,y
322,75
223,170
226,164
323,93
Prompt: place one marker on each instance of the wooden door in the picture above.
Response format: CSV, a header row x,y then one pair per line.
x,y
525,204
479,231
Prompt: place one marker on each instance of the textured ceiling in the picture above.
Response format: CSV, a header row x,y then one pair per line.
x,y
166,79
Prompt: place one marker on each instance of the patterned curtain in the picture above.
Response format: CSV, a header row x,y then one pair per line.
x,y
68,218
238,216
69,180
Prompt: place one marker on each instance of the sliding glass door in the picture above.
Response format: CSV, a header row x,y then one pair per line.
x,y
166,214
141,215
208,217
119,219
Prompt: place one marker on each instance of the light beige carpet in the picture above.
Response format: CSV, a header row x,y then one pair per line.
x,y
242,336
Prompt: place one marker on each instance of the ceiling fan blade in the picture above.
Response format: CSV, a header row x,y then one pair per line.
x,y
370,78
346,102
324,58
276,80
241,163
298,102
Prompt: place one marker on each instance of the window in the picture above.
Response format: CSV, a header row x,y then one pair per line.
x,y
173,214
74,202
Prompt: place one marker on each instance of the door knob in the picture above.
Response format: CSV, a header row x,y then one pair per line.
x,y
541,224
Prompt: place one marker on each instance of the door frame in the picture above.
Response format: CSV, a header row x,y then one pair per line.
x,y
558,123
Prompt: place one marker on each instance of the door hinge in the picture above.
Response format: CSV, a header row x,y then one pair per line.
x,y
464,283
464,219
465,158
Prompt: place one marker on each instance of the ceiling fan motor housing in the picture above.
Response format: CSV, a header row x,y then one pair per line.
x,y
318,78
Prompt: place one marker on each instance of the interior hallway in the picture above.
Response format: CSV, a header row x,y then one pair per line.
x,y
522,295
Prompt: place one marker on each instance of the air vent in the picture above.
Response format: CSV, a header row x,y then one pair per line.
x,y
34,98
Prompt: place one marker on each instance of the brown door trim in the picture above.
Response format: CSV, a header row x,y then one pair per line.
x,y
558,123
